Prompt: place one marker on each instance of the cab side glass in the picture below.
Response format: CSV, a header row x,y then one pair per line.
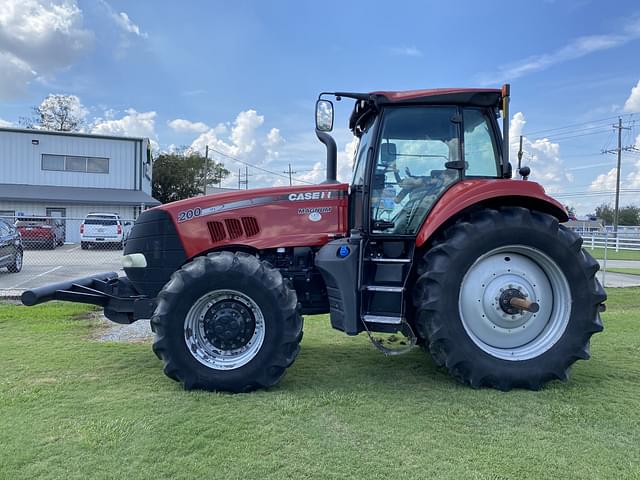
x,y
480,152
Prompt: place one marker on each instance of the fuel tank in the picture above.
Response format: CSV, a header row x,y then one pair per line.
x,y
262,218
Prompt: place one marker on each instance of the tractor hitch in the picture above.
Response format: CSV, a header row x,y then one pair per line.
x,y
116,295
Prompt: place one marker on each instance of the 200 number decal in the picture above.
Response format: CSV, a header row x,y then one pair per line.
x,y
189,214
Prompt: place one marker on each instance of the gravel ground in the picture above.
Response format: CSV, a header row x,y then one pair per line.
x,y
109,331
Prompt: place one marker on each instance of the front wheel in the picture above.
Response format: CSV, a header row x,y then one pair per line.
x,y
227,321
507,298
16,266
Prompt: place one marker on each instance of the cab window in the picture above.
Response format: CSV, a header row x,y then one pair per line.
x,y
480,150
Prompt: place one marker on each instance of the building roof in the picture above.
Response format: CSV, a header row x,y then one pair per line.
x,y
37,131
74,195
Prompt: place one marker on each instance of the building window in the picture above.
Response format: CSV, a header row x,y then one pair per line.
x,y
71,163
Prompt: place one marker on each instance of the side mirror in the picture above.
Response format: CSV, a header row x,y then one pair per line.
x,y
324,115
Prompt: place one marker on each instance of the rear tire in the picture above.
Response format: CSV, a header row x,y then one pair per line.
x,y
213,289
485,256
84,245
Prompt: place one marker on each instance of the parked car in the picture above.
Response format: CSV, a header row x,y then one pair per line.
x,y
11,251
48,232
106,229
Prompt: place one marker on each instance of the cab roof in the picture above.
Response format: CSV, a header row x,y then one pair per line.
x,y
367,104
481,97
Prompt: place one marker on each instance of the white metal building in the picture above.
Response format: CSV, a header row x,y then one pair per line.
x,y
72,174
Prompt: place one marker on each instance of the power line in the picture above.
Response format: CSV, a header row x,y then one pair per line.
x,y
591,122
256,167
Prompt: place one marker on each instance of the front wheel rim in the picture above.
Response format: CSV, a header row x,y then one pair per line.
x,y
241,315
523,335
19,261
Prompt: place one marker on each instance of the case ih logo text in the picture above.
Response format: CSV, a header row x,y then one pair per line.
x,y
307,211
294,197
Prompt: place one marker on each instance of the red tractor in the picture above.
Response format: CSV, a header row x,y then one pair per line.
x,y
432,240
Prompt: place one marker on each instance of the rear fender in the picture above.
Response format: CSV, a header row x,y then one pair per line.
x,y
470,194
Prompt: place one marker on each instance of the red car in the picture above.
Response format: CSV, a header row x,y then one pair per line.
x,y
44,232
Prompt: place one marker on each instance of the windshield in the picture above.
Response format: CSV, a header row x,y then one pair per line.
x,y
416,144
100,221
31,221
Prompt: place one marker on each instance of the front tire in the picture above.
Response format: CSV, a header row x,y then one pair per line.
x,y
16,266
228,322
471,272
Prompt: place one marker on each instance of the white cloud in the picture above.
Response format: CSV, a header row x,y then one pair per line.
x,y
182,125
38,38
5,123
541,155
133,124
576,48
125,23
242,139
632,104
411,51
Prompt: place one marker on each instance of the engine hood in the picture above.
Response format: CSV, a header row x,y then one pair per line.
x,y
261,218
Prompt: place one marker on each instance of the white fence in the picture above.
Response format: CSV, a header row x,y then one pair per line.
x,y
606,240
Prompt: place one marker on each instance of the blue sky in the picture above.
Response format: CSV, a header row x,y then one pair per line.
x,y
243,76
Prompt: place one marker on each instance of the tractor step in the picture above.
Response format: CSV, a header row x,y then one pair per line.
x,y
388,260
382,319
383,288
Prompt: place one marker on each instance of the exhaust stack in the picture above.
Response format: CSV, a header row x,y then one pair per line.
x,y
332,155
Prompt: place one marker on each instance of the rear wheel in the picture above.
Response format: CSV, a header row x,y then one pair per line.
x,y
469,278
227,322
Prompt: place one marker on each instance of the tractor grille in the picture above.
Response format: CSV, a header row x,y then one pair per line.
x,y
232,228
216,230
250,225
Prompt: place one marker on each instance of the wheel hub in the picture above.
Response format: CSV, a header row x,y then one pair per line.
x,y
494,323
228,325
224,329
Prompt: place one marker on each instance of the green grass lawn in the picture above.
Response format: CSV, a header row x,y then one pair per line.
x,y
75,408
628,271
612,254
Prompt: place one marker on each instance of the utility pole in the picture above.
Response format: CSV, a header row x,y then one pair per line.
x,y
290,173
244,182
618,151
206,167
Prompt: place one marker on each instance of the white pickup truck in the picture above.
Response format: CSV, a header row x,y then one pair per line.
x,y
106,229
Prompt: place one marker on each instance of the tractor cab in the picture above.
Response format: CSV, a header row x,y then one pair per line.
x,y
413,147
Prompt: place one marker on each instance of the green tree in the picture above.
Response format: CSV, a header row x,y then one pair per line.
x,y
571,211
605,212
62,113
629,215
180,175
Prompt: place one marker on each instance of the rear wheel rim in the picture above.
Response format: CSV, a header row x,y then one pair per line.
x,y
224,329
523,335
